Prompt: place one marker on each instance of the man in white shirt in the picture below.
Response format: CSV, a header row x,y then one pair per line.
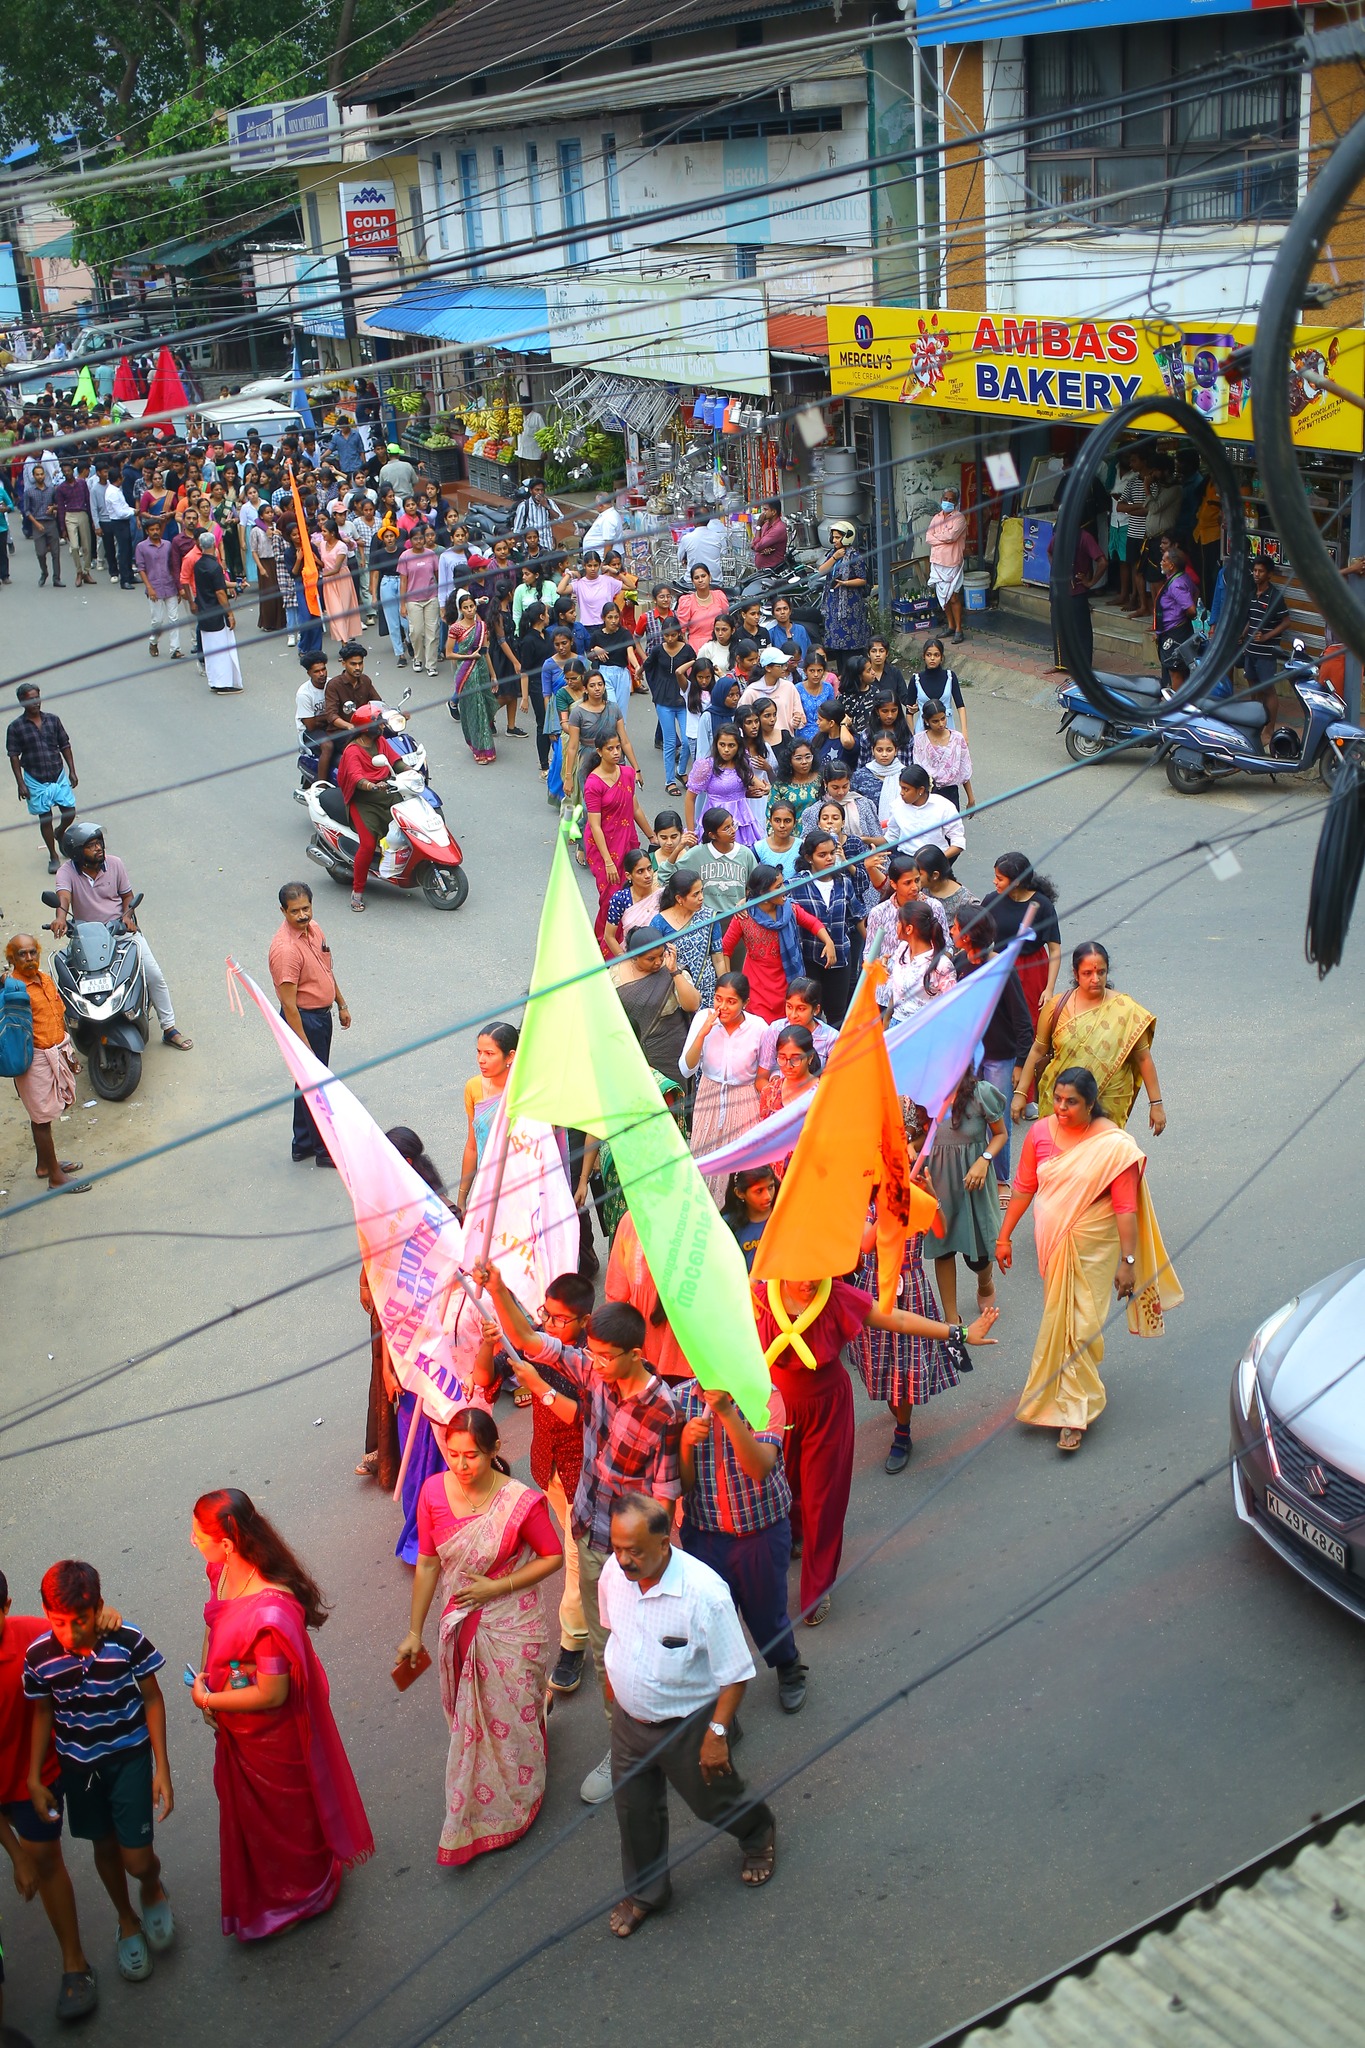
x,y
677,1664
607,528
44,466
704,544
537,514
116,519
910,814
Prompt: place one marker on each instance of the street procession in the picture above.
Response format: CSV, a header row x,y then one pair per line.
x,y
678,1217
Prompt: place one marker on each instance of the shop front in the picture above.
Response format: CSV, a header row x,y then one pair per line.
x,y
964,387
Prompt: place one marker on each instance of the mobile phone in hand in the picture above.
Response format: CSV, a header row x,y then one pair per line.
x,y
405,1672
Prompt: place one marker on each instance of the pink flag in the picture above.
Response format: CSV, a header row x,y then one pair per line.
x,y
410,1242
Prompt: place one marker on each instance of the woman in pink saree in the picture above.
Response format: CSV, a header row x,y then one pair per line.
x,y
290,1816
491,1543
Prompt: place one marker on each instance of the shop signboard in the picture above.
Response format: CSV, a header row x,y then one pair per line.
x,y
980,21
369,217
286,133
1026,366
318,297
669,333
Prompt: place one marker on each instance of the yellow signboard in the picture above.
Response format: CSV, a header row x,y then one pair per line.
x,y
1029,367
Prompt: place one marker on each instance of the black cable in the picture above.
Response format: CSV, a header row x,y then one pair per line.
x,y
1336,868
1217,657
1281,306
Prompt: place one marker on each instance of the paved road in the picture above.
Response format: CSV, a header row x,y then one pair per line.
x,y
1177,1711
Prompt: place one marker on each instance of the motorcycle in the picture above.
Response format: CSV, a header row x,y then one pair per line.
x,y
104,991
804,591
428,855
1211,741
1087,733
400,741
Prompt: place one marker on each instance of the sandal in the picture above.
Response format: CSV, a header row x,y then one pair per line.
x,y
177,1039
1070,1439
627,1918
368,1465
522,1398
65,1166
1005,1192
759,1864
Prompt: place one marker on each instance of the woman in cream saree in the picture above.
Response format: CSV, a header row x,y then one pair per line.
x,y
1094,1228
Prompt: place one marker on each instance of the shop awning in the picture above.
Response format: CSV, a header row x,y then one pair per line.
x,y
471,316
50,251
798,334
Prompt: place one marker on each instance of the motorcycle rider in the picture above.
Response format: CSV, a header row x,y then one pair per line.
x,y
362,772
350,685
94,887
310,718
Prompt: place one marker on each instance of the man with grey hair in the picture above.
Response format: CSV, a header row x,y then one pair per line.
x,y
677,1665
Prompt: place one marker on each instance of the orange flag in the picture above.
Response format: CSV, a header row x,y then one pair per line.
x,y
308,561
851,1145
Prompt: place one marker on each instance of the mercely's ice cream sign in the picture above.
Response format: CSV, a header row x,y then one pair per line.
x,y
1034,367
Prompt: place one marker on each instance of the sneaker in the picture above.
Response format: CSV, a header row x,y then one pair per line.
x,y
898,1457
596,1787
791,1686
53,866
567,1675
292,641
402,661
134,1957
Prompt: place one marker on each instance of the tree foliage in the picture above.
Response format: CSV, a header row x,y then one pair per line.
x,y
157,77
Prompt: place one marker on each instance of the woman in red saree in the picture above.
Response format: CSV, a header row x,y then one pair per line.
x,y
290,1816
491,1543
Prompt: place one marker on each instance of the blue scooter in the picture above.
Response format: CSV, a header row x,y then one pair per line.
x,y
1209,742
1087,733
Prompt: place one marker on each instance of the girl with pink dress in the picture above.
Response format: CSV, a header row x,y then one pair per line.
x,y
490,1543
338,586
611,798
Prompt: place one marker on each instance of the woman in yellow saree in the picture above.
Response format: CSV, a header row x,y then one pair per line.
x,y
1094,1228
1092,1025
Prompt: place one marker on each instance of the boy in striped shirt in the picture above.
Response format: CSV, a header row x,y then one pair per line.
x,y
95,1691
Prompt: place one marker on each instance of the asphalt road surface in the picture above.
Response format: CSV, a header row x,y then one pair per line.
x,y
1180,1708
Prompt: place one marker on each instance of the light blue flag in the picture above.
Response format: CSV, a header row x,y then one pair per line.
x,y
930,1053
298,397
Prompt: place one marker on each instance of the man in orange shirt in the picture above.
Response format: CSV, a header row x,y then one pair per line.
x,y
301,969
49,1086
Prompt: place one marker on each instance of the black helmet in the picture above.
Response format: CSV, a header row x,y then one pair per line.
x,y
77,837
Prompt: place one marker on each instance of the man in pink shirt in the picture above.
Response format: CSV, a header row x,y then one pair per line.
x,y
700,609
946,534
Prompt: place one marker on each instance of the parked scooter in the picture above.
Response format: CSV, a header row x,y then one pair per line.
x,y
104,990
1212,741
1087,733
428,855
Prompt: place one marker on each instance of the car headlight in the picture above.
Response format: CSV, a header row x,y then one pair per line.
x,y
1251,1358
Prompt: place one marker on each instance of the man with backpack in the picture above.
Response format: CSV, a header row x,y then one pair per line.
x,y
37,1052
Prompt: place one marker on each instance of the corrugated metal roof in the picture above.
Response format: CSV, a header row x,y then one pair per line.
x,y
50,250
1274,1962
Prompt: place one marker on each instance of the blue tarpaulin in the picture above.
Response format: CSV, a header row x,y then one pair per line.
x,y
471,315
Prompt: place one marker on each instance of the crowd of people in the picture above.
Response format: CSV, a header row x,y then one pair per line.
x,y
812,825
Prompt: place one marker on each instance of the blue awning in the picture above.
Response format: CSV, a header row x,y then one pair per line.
x,y
472,316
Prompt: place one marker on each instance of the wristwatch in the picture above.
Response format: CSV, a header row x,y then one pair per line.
x,y
1128,1259
547,1399
719,1728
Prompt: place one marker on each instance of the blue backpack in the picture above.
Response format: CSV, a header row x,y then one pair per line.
x,y
16,1027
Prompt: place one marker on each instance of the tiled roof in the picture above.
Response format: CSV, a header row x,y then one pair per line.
x,y
472,39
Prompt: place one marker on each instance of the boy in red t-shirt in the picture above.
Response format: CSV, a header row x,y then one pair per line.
x,y
32,1843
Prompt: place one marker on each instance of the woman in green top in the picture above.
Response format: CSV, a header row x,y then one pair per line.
x,y
797,784
532,589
